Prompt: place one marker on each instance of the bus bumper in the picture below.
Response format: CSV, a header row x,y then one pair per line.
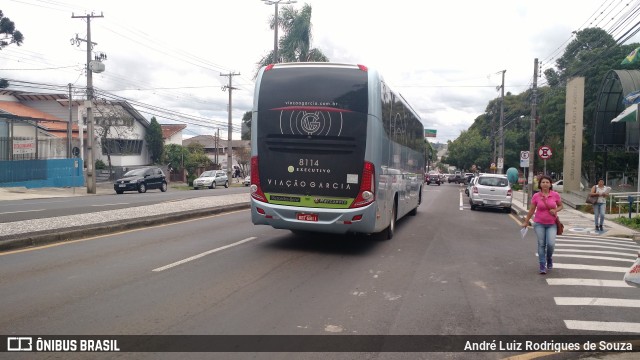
x,y
337,221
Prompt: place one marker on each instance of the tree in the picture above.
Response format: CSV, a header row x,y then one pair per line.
x,y
8,35
113,125
295,44
155,142
243,156
246,120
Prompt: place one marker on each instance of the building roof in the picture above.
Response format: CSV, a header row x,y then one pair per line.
x,y
168,130
20,110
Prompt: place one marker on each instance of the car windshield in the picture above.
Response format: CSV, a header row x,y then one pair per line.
x,y
207,174
492,181
136,172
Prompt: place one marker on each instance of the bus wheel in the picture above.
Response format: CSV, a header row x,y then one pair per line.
x,y
387,234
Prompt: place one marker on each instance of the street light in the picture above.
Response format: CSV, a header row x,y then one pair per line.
x,y
275,27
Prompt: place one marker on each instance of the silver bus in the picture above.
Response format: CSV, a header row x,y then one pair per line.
x,y
333,150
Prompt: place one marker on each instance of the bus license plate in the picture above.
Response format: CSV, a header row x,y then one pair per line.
x,y
307,217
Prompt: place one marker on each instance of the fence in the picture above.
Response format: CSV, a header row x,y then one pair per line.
x,y
48,148
42,173
622,198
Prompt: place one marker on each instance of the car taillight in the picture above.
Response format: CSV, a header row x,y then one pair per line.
x,y
474,189
509,192
366,194
256,189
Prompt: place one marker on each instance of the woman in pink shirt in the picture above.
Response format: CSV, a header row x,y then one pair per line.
x,y
545,204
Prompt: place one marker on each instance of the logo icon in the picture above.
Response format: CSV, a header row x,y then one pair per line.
x,y
15,343
317,123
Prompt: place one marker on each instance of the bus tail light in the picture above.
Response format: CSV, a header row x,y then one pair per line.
x,y
256,189
366,194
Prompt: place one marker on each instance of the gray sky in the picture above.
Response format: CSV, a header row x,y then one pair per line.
x,y
444,57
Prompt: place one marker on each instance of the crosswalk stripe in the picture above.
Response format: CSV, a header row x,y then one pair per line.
x,y
599,237
592,257
592,246
591,301
596,252
588,282
617,269
603,326
592,240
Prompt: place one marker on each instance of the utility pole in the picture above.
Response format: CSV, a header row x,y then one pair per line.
x,y
69,125
217,144
229,134
275,26
532,131
501,129
91,176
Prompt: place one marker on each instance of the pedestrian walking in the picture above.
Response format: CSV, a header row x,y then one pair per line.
x,y
601,192
545,205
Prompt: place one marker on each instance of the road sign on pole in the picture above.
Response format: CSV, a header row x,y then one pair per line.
x,y
524,159
544,152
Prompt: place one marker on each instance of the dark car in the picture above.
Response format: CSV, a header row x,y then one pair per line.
x,y
432,179
140,180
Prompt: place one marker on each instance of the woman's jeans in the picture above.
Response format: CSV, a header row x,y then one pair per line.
x,y
598,213
546,234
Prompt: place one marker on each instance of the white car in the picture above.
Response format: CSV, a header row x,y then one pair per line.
x,y
557,186
491,190
247,181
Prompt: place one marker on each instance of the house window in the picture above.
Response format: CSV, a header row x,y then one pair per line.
x,y
122,147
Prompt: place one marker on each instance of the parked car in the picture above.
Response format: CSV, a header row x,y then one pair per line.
x,y
211,179
557,186
432,179
247,181
452,178
491,190
470,185
140,180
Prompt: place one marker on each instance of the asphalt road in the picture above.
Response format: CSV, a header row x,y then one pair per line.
x,y
447,271
17,210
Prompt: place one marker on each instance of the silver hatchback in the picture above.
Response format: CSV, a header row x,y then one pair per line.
x,y
491,190
211,179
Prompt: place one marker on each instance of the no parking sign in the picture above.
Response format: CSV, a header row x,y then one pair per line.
x,y
544,152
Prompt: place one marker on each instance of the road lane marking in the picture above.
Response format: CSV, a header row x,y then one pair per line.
x,y
569,236
21,211
596,252
617,247
461,201
112,204
603,326
203,254
617,269
600,241
592,301
592,257
588,282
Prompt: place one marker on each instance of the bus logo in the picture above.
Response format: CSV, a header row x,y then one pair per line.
x,y
310,121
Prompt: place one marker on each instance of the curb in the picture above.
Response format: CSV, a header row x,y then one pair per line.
x,y
20,241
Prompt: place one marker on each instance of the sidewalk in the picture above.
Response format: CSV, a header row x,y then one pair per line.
x,y
575,221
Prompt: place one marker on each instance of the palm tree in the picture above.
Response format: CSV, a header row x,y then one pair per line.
x,y
295,44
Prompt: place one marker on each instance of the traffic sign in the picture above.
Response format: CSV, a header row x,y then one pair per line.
x,y
500,163
524,159
544,152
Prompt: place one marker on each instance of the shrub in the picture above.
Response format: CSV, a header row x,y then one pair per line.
x,y
100,165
